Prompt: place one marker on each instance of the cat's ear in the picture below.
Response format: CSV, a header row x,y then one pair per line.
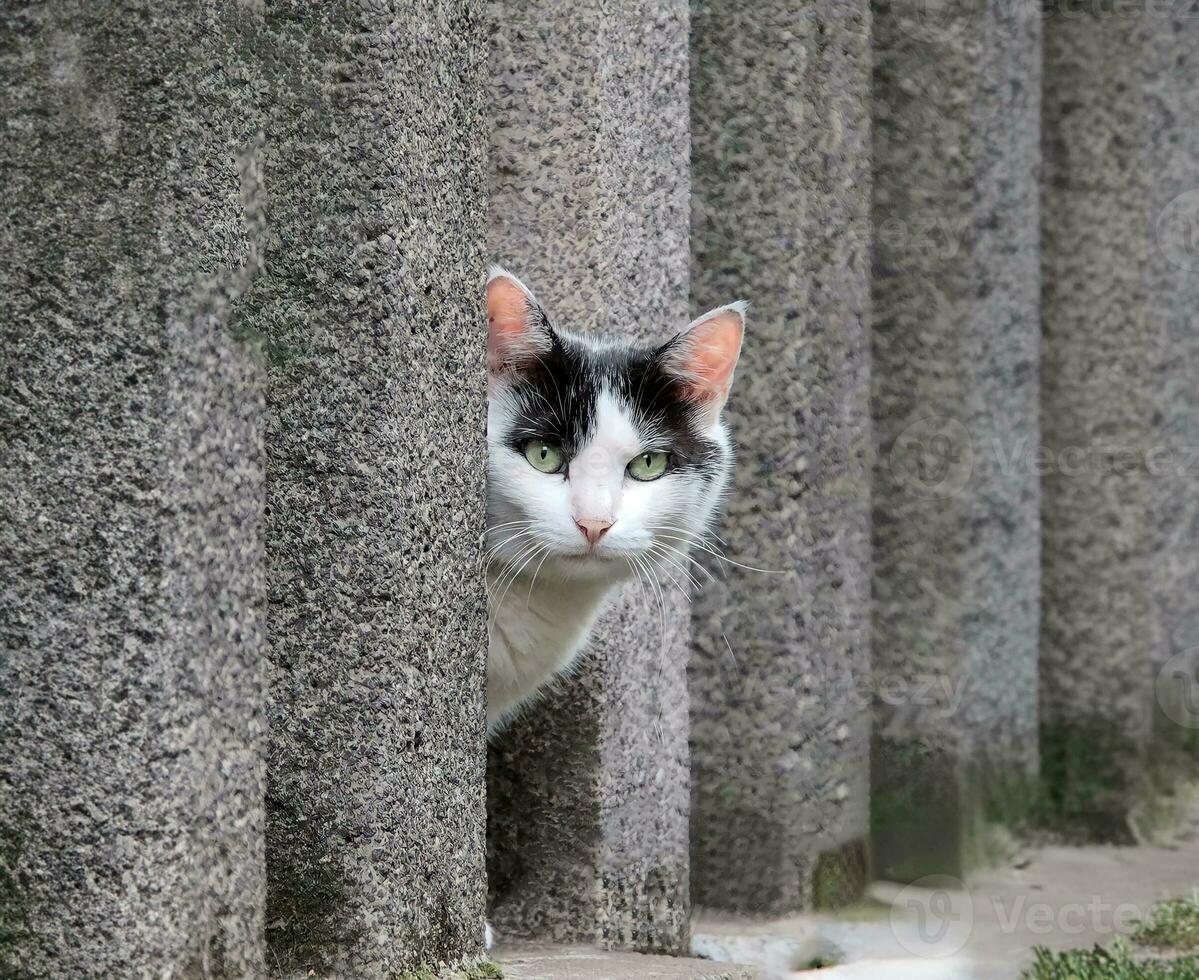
x,y
518,330
704,356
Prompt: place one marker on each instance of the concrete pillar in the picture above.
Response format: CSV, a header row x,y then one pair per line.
x,y
1119,408
131,687
371,310
1171,84
780,216
955,403
588,204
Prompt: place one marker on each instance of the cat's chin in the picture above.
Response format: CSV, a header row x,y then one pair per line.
x,y
594,566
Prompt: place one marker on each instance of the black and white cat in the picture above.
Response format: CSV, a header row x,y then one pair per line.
x,y
606,460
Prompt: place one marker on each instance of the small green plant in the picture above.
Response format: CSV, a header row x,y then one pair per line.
x,y
483,970
1100,964
1173,924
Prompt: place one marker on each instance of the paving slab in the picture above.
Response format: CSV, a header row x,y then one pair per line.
x,y
576,962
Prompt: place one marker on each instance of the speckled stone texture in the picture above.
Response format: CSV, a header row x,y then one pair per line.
x,y
370,310
1170,76
589,205
780,217
1119,410
955,404
131,686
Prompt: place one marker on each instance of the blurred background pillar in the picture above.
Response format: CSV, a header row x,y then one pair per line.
x,y
957,90
1121,405
372,317
779,671
131,685
588,205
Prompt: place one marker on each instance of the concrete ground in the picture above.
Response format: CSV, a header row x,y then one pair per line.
x,y
530,961
983,929
1059,897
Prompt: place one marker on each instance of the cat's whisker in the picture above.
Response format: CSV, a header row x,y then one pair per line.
x,y
696,535
491,553
510,573
720,557
680,568
499,527
649,571
533,581
511,566
684,592
525,564
683,554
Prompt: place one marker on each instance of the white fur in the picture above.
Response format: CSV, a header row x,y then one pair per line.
x,y
547,586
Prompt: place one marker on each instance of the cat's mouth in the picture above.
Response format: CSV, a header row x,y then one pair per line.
x,y
601,557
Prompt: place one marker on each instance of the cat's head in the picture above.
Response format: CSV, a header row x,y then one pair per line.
x,y
603,453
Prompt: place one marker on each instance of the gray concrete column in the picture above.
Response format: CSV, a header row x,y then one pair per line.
x,y
1119,411
371,310
588,204
955,404
1171,84
780,216
131,686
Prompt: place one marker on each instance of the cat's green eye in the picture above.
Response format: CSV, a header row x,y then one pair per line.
x,y
648,466
543,457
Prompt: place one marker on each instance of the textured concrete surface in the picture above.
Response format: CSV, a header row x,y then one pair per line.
x,y
955,403
780,216
588,204
131,687
532,961
1171,89
370,310
1119,395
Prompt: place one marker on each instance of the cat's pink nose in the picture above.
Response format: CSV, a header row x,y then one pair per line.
x,y
593,530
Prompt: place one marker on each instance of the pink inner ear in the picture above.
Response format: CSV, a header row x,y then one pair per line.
x,y
507,319
712,350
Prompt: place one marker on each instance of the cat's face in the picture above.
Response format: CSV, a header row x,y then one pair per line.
x,y
602,454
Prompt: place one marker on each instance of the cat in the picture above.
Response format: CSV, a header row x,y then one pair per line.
x,y
606,460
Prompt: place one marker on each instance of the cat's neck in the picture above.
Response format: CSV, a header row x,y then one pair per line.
x,y
538,623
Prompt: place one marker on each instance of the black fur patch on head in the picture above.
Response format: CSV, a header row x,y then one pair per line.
x,y
557,395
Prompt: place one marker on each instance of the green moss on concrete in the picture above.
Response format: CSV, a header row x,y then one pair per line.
x,y
306,895
840,877
932,814
916,820
1091,779
14,919
484,970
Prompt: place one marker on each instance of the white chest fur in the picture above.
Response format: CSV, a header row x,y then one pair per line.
x,y
536,631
